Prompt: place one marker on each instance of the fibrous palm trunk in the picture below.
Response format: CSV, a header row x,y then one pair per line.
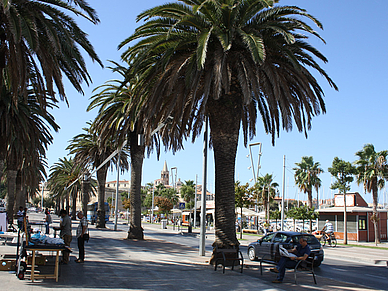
x,y
225,116
11,186
85,194
137,156
375,214
101,180
73,204
18,193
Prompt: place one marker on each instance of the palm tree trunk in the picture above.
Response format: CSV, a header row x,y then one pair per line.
x,y
310,202
101,180
137,156
18,193
375,214
225,117
73,204
85,194
67,207
241,229
11,184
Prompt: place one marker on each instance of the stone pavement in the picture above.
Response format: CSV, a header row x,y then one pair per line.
x,y
114,263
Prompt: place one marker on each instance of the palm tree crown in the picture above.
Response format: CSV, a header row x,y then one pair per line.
x,y
372,171
225,60
307,177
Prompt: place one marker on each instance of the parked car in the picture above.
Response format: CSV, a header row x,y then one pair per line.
x,y
269,245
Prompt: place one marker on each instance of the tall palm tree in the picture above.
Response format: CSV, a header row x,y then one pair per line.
x,y
24,133
64,181
40,41
267,190
225,60
372,169
116,118
90,152
307,177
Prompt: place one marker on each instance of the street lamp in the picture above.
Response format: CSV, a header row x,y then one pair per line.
x,y
174,184
43,185
254,175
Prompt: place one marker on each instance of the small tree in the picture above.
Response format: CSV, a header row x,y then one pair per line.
x,y
275,215
164,204
242,199
343,172
188,193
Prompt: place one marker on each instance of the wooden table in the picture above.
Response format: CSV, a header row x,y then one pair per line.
x,y
45,248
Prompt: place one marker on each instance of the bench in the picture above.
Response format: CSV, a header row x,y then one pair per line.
x,y
306,266
224,255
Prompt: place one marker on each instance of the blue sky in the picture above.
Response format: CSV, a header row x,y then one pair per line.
x,y
356,42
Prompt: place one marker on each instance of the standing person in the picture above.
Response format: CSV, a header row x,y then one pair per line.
x,y
48,220
302,251
81,230
65,234
20,217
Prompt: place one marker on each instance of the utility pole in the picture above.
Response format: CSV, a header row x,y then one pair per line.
x,y
283,192
117,189
195,202
203,197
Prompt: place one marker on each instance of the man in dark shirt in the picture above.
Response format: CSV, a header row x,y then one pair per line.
x,y
302,251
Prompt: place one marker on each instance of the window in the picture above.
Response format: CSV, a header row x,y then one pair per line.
x,y
362,222
280,237
268,238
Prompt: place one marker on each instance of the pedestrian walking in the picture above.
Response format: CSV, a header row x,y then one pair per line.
x,y
48,220
81,230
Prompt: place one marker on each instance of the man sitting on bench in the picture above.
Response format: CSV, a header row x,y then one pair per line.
x,y
302,251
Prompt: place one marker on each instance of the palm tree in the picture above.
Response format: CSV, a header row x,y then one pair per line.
x,y
372,170
307,177
343,172
40,41
115,119
267,189
225,60
242,199
64,181
188,193
25,134
90,151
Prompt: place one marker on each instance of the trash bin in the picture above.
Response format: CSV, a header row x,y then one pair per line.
x,y
190,229
163,224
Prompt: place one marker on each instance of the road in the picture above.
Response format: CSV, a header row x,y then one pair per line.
x,y
344,270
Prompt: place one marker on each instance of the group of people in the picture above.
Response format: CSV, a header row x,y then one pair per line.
x,y
66,235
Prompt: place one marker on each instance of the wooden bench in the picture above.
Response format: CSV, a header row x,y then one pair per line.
x,y
306,266
222,256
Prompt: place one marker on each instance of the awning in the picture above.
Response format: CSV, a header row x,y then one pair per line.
x,y
248,212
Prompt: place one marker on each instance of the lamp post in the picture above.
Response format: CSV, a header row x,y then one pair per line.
x,y
152,206
255,176
203,197
117,189
172,176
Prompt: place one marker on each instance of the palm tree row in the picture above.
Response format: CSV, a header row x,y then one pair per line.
x,y
39,43
370,169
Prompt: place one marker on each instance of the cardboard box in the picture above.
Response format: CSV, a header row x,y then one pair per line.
x,y
7,265
39,260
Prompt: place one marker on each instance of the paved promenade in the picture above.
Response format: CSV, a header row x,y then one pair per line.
x,y
114,263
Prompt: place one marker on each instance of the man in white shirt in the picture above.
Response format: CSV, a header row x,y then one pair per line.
x,y
81,230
